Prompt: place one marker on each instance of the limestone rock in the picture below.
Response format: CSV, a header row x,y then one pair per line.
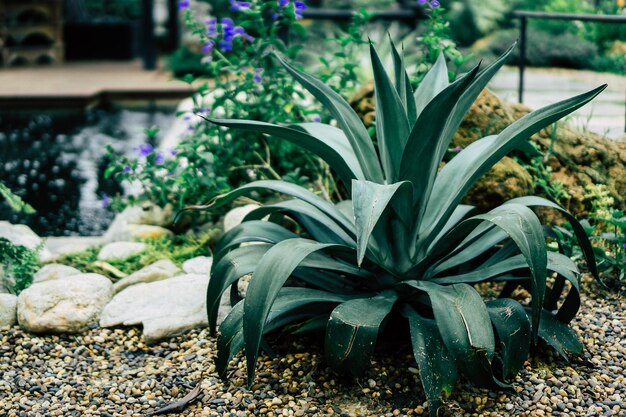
x,y
146,214
236,216
198,265
164,308
67,245
157,271
8,310
147,231
20,235
66,305
120,250
51,272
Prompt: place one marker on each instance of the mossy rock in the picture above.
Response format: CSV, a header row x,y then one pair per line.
x,y
578,158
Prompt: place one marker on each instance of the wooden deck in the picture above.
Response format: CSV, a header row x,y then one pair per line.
x,y
81,85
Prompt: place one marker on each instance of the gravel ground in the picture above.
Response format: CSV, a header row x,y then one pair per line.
x,y
113,373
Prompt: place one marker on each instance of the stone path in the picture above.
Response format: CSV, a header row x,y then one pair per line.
x,y
605,115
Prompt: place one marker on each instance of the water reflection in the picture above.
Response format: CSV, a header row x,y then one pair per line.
x,y
56,164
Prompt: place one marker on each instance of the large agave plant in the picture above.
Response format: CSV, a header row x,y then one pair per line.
x,y
403,250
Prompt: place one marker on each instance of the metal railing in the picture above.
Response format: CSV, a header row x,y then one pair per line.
x,y
525,15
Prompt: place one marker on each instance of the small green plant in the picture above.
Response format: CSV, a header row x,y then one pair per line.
x,y
403,250
18,264
611,249
14,201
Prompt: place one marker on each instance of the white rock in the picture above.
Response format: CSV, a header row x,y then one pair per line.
x,y
8,310
120,250
66,305
155,272
198,265
20,235
236,215
147,214
67,245
51,272
164,308
147,231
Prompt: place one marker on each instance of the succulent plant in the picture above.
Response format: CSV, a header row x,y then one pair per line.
x,y
403,250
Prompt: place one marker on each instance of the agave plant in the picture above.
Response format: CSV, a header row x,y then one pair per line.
x,y
403,250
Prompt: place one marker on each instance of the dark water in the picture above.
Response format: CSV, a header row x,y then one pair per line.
x,y
56,164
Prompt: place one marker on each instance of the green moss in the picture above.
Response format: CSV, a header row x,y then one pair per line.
x,y
178,249
17,266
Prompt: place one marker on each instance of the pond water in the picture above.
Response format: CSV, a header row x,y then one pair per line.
x,y
56,164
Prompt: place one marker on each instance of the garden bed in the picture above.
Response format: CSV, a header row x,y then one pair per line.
x,y
112,372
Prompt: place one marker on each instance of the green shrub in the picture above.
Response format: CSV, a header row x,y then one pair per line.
x,y
546,50
18,264
404,250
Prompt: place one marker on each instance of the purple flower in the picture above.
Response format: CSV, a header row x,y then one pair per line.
x,y
183,4
275,16
316,118
239,5
225,45
145,149
173,152
435,3
126,169
624,245
204,110
283,3
258,75
208,46
106,200
159,159
211,27
299,7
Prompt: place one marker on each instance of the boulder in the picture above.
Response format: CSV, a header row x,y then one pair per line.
x,y
120,250
20,235
164,308
51,272
157,271
235,216
66,305
145,214
8,310
198,265
67,245
148,231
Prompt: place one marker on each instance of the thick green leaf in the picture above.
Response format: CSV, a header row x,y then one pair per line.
x,y
250,231
465,327
347,119
524,228
370,200
291,305
513,329
434,82
579,230
419,159
292,190
352,331
232,266
269,276
458,175
332,148
403,85
558,335
438,372
319,225
392,125
230,339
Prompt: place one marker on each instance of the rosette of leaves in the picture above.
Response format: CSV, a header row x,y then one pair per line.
x,y
403,250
